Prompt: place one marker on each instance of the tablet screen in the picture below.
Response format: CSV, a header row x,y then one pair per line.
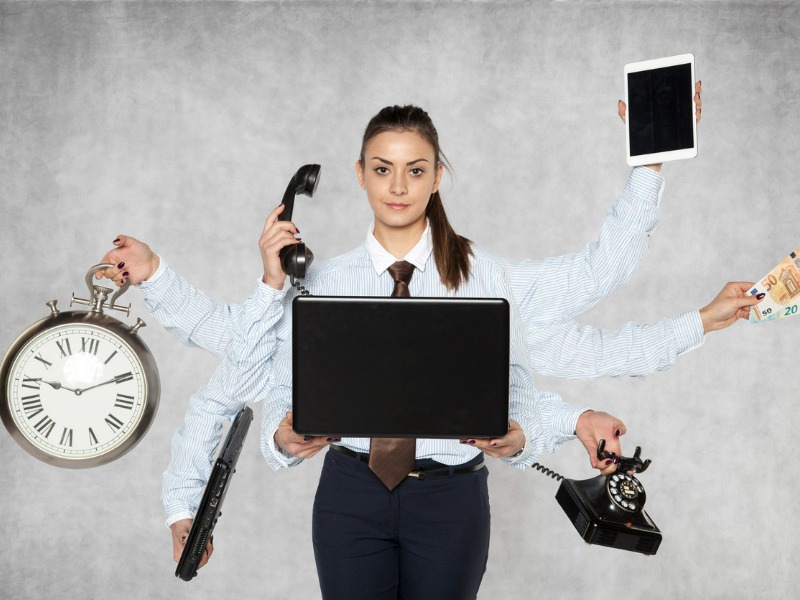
x,y
660,110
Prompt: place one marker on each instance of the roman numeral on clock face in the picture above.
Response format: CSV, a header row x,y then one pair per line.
x,y
124,401
64,347
34,384
124,377
90,345
66,437
46,364
113,422
45,426
32,405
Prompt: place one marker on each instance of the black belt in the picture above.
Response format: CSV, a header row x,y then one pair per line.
x,y
418,473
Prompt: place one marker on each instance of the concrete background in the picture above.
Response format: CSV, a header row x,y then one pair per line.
x,y
180,123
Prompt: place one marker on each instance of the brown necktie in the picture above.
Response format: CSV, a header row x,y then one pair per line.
x,y
392,459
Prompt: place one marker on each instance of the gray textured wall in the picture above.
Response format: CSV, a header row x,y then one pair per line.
x,y
179,123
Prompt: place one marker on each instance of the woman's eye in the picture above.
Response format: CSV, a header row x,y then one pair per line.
x,y
417,171
381,170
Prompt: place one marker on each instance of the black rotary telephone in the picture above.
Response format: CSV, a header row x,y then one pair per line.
x,y
296,258
609,510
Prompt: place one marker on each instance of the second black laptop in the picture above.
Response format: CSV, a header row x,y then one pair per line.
x,y
216,488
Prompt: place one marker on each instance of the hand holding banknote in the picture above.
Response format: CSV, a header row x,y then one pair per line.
x,y
731,304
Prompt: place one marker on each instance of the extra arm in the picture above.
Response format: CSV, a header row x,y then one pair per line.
x,y
572,351
562,287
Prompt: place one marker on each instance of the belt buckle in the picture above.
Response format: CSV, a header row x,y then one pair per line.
x,y
415,474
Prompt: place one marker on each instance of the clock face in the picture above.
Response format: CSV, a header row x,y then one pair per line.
x,y
77,392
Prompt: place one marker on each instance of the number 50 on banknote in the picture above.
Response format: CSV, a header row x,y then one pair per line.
x,y
781,289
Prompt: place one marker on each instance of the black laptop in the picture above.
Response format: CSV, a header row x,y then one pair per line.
x,y
216,488
400,367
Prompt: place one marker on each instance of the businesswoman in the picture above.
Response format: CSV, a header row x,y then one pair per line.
x,y
387,535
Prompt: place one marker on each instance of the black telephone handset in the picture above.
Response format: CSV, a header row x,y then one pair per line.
x,y
609,510
296,258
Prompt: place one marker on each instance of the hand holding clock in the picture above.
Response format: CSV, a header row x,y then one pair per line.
x,y
134,261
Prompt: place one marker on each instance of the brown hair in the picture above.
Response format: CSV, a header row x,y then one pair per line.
x,y
451,251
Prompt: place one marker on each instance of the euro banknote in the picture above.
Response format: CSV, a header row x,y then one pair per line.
x,y
780,289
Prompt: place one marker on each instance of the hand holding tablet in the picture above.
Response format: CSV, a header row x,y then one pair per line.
x,y
661,123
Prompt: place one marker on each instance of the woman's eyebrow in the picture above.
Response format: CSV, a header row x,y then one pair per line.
x,y
388,162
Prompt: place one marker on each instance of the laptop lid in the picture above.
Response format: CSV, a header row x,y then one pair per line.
x,y
400,367
210,506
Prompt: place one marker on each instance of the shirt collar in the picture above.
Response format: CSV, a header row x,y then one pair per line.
x,y
382,259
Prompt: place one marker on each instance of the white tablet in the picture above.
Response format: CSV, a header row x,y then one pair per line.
x,y
660,120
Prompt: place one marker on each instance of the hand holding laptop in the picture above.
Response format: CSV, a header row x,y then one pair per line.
x,y
180,532
509,445
301,446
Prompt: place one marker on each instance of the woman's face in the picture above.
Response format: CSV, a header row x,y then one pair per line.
x,y
399,174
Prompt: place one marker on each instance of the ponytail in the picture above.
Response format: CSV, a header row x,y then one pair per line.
x,y
451,251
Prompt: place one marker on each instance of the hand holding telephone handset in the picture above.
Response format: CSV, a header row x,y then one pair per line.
x,y
296,258
609,510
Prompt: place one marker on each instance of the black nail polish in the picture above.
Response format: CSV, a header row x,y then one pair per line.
x,y
760,296
608,462
125,274
120,265
115,241
306,438
617,433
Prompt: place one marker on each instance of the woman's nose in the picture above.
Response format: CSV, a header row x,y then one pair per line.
x,y
399,187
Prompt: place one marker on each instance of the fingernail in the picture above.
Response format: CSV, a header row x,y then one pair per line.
x,y
617,433
306,438
125,274
120,265
115,241
462,441
471,442
493,444
761,295
608,462
616,460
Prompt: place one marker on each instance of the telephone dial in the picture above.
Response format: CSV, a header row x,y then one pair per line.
x,y
296,258
609,510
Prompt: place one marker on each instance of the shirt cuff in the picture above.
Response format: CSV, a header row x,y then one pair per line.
x,y
688,331
646,182
158,281
265,294
178,517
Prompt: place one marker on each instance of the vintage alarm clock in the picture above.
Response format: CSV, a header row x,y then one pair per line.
x,y
79,389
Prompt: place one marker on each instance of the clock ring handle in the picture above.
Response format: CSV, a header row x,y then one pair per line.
x,y
94,290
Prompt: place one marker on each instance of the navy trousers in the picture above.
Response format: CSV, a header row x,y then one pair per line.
x,y
426,539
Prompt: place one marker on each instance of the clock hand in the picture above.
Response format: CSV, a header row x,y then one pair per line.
x,y
91,387
57,386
